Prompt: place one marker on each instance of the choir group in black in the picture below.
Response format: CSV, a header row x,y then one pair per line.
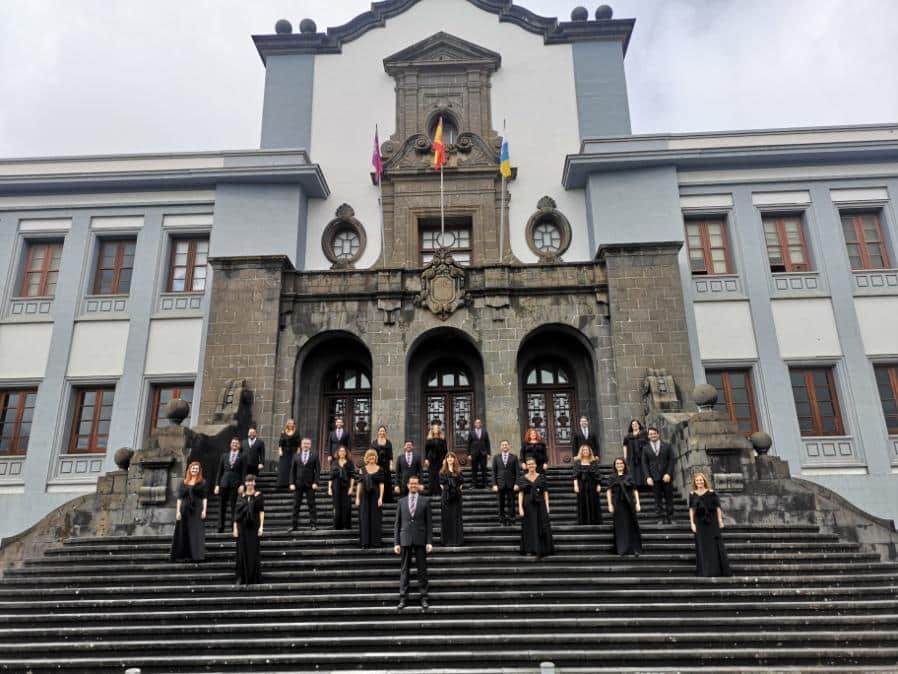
x,y
520,485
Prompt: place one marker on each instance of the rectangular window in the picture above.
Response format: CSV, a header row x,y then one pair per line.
x,y
887,383
90,422
115,264
457,238
187,267
816,401
162,394
708,247
16,414
864,241
787,249
40,272
735,398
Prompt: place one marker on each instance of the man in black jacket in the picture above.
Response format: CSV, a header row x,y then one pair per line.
x,y
228,478
478,450
505,475
304,482
408,463
253,449
585,434
413,538
337,438
658,465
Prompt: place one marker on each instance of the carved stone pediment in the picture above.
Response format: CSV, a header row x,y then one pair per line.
x,y
443,287
442,49
469,152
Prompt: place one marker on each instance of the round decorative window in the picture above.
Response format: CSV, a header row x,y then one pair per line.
x,y
343,241
346,244
548,232
547,238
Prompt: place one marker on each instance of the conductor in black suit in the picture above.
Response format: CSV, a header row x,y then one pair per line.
x,y
478,450
505,475
253,449
413,538
304,482
339,437
228,478
408,463
658,465
585,434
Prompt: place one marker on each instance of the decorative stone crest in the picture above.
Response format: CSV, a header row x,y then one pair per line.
x,y
443,286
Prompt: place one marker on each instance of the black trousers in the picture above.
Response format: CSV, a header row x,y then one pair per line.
x,y
309,494
478,466
227,497
419,553
506,504
663,493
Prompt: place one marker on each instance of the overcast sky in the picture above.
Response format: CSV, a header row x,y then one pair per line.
x,y
121,76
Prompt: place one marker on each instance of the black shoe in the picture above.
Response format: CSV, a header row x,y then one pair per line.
x,y
221,530
636,555
661,521
667,520
292,530
400,605
424,604
314,528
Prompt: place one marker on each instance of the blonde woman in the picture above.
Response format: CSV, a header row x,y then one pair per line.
x,y
435,451
369,500
706,521
287,445
587,486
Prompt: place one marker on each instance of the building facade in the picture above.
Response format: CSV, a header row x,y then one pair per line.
x,y
762,262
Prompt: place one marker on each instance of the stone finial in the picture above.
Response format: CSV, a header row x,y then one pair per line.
x,y
762,442
547,203
705,396
604,13
345,211
176,410
308,27
580,14
123,456
283,27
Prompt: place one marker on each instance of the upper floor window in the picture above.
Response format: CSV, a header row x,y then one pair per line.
x,y
816,401
864,240
91,420
16,414
450,130
115,264
708,246
787,249
736,398
887,383
188,265
40,271
456,237
162,394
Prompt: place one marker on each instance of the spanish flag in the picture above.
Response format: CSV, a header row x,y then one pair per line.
x,y
439,150
504,159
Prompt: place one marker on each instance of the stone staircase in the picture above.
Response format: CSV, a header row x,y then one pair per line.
x,y
800,601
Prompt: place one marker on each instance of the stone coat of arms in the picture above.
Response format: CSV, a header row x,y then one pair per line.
x,y
443,285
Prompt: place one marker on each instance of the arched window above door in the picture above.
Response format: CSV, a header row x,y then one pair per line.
x,y
546,373
347,378
447,377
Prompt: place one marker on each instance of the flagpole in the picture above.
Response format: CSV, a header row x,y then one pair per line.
x,y
502,208
442,212
383,238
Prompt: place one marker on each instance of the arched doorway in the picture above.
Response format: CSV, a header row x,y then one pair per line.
x,y
346,395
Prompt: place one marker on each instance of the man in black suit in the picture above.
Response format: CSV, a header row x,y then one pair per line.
x,y
253,449
337,438
304,482
413,538
658,465
408,464
505,474
228,478
585,435
478,450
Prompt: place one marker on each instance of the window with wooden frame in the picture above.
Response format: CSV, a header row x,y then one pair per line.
x,y
92,413
161,395
864,240
40,270
457,238
16,414
736,397
115,265
816,401
887,383
787,248
708,245
187,269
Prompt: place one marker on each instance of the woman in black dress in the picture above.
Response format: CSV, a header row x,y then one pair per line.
x,y
706,520
535,448
369,499
587,487
435,451
340,488
249,522
384,448
623,504
533,507
451,480
634,443
286,451
189,542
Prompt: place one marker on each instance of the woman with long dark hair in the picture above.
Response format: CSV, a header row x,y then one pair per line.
x,y
451,480
634,444
249,523
623,504
340,488
587,486
189,541
706,521
533,507
384,448
369,500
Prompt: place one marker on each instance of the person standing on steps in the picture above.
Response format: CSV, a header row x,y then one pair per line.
x,y
304,483
634,445
587,486
479,450
228,477
253,449
451,529
337,437
409,464
189,540
413,539
505,476
340,488
658,465
706,521
534,448
585,435
384,448
287,445
435,451
249,524
533,508
623,504
369,501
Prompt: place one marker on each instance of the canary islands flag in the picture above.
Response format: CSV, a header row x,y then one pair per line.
x,y
504,159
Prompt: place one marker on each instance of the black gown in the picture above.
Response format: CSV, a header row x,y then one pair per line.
x,y
289,444
635,445
249,554
589,503
370,516
341,476
536,530
538,451
384,456
451,529
627,538
189,541
435,451
710,554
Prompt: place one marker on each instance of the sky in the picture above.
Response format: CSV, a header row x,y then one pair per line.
x,y
127,76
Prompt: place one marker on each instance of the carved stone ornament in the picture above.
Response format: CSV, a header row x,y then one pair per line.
x,y
443,286
344,240
548,232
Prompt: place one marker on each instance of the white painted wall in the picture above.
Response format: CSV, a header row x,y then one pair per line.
x,y
725,331
24,349
878,319
98,349
174,346
806,328
353,93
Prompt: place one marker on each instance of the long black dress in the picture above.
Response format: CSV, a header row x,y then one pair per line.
x,y
435,451
289,444
627,538
635,445
189,541
589,503
384,456
710,554
341,476
451,529
370,516
538,451
536,530
249,554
